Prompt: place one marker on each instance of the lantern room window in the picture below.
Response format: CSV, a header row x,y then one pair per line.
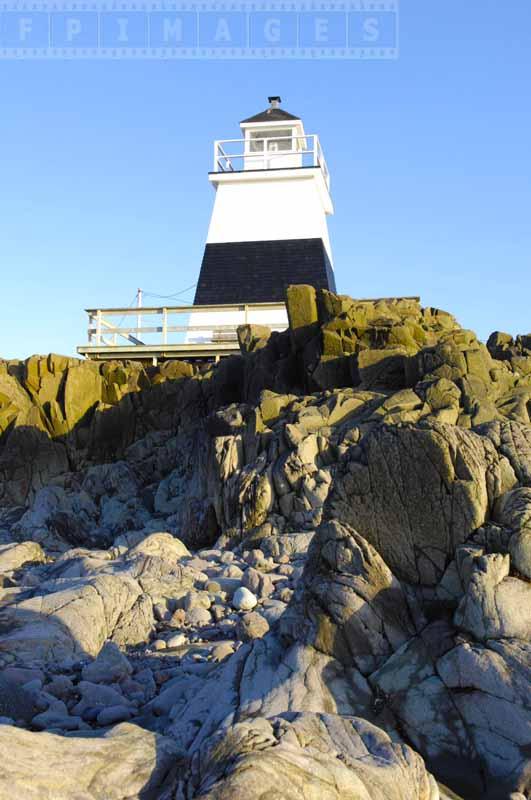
x,y
276,141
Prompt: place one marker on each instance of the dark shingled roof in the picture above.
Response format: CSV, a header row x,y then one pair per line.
x,y
271,115
260,272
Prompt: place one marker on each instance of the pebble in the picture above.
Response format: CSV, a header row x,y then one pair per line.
x,y
222,651
22,675
218,612
176,640
285,594
54,719
33,686
285,569
272,610
158,644
254,556
252,626
196,600
243,599
61,687
231,571
113,714
177,619
160,611
213,587
145,678
110,665
227,557
198,616
259,584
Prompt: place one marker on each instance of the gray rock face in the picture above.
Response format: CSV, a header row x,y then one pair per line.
x,y
76,620
305,756
354,605
495,605
16,703
359,486
417,493
465,706
126,763
14,556
109,666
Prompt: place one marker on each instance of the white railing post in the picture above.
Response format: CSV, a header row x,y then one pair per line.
x,y
139,318
216,165
164,326
98,328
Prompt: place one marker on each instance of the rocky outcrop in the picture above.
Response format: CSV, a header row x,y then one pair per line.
x,y
305,568
127,762
417,492
306,756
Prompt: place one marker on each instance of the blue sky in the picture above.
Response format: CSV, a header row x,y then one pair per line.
x,y
104,171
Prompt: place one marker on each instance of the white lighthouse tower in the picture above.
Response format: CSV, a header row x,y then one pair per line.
x,y
268,227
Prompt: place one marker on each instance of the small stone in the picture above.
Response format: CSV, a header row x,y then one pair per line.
x,y
158,644
160,611
259,584
222,651
33,686
53,719
285,594
22,675
243,599
114,714
61,687
196,600
197,617
285,569
227,557
213,587
232,571
177,619
177,640
254,557
145,678
252,626
218,612
109,666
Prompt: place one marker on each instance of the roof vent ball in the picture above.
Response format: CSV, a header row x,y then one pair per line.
x,y
274,101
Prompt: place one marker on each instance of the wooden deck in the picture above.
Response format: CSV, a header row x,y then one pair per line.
x,y
212,351
190,333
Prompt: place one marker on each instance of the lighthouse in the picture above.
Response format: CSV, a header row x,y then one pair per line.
x,y
268,227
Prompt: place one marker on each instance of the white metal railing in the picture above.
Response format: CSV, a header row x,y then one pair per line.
x,y
176,324
238,155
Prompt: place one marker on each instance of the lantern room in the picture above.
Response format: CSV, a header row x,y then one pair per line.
x,y
273,139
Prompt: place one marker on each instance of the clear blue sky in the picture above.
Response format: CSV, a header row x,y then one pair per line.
x,y
104,171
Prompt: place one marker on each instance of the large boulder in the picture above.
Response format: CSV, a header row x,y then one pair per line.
x,y
465,707
127,763
417,492
70,622
308,756
353,605
496,605
14,556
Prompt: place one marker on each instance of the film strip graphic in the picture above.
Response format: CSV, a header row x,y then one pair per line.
x,y
199,30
